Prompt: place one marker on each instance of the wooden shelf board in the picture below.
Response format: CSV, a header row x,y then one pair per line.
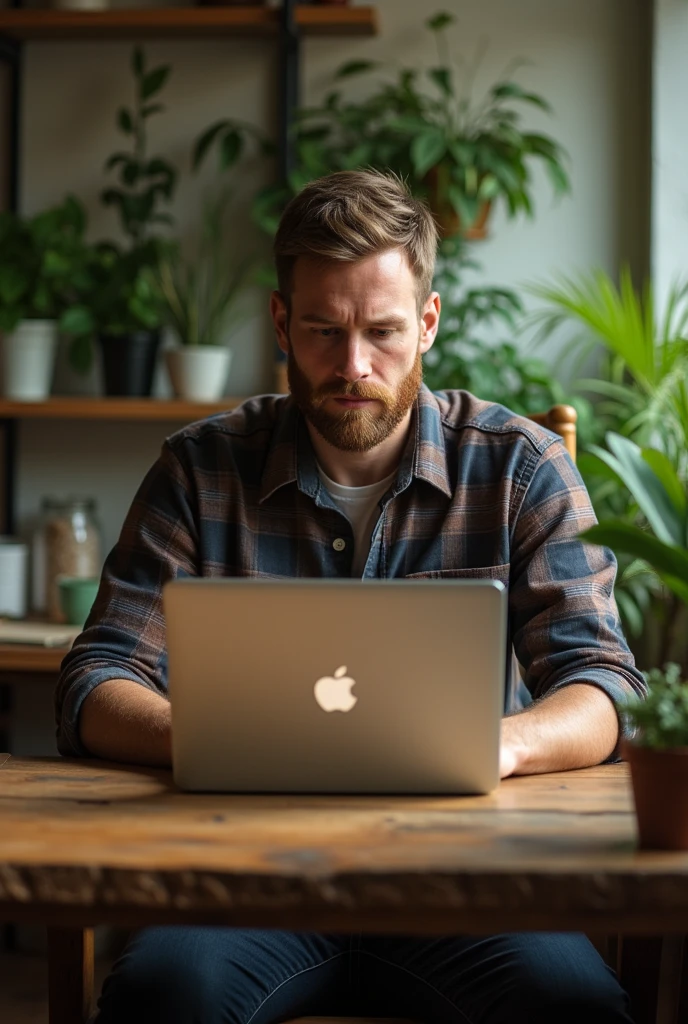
x,y
30,658
72,408
166,22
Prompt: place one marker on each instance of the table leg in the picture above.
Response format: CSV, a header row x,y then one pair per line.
x,y
670,978
70,975
683,999
639,972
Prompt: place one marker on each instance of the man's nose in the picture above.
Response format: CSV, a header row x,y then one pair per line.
x,y
354,360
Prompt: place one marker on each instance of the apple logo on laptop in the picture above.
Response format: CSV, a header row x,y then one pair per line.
x,y
333,693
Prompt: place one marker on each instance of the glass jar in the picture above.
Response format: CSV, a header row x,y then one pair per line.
x,y
66,543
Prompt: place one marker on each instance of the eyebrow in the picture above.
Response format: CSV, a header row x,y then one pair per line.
x,y
399,322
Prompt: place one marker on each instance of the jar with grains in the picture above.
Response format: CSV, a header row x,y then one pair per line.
x,y
70,541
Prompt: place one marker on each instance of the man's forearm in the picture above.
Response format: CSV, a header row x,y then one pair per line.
x,y
123,721
573,728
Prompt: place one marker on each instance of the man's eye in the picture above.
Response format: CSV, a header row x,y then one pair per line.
x,y
325,332
383,332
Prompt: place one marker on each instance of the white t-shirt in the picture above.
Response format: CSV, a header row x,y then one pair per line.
x,y
360,506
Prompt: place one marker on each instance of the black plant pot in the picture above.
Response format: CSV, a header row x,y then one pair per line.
x,y
129,363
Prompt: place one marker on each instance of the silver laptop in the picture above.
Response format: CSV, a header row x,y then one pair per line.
x,y
336,686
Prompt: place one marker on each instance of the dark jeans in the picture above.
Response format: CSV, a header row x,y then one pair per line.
x,y
225,976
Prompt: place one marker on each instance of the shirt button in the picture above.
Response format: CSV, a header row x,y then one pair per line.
x,y
339,544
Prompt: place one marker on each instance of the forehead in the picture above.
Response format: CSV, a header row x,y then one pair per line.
x,y
371,282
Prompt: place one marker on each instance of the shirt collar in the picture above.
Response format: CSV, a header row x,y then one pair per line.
x,y
429,452
291,458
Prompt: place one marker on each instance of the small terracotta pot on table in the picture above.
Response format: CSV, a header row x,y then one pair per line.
x,y
660,792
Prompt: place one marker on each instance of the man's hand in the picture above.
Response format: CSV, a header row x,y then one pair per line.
x,y
508,758
575,727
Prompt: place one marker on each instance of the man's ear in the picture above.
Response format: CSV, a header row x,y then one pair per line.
x,y
280,318
430,322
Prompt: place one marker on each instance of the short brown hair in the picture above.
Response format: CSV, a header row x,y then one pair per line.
x,y
350,215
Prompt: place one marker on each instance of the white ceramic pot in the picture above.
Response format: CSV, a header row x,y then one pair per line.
x,y
28,360
199,372
13,578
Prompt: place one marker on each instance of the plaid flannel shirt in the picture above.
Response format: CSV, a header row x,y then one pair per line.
x,y
479,493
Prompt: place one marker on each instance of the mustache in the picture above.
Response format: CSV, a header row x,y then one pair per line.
x,y
357,389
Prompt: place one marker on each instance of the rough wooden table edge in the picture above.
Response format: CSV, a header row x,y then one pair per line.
x,y
520,900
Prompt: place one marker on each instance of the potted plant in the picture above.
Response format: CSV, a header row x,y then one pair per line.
x,y
200,293
658,758
123,305
460,154
120,303
43,269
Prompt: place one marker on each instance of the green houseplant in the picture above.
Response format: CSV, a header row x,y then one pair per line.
x,y
459,153
123,305
200,294
647,349
43,270
639,393
658,756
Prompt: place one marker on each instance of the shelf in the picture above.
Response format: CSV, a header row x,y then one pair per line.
x,y
30,659
183,22
113,409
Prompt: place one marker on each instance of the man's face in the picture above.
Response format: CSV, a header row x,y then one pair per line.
x,y
354,342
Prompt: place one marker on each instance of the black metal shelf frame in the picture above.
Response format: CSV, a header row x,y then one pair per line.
x,y
11,54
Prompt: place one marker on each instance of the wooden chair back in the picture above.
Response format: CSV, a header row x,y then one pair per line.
x,y
562,420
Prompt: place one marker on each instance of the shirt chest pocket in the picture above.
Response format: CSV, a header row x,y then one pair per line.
x,y
484,572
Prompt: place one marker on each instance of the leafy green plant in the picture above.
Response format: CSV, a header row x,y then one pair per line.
x,y
144,182
653,533
662,718
121,295
643,392
231,137
43,264
120,292
199,292
457,152
661,497
640,392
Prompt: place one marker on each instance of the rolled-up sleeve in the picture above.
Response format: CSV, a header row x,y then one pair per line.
x,y
124,636
564,620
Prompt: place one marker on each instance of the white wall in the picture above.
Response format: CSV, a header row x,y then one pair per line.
x,y
588,57
670,145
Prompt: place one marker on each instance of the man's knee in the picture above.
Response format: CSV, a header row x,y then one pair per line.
x,y
166,975
565,980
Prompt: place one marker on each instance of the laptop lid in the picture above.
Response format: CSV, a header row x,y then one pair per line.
x,y
382,686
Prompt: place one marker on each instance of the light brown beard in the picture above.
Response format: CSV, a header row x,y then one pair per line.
x,y
354,430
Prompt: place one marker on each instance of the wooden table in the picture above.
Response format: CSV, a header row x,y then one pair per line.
x,y
83,843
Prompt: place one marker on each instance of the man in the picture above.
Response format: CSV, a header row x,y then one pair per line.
x,y
361,472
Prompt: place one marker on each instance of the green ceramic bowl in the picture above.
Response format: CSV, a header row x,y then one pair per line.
x,y
77,595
